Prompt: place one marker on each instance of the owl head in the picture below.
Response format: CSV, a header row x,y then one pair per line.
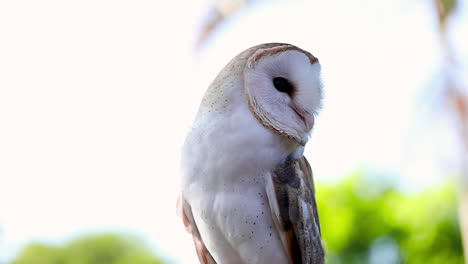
x,y
283,88
279,83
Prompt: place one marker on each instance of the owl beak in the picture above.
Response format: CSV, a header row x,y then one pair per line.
x,y
306,117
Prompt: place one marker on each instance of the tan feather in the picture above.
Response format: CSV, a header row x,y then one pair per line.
x,y
292,201
184,210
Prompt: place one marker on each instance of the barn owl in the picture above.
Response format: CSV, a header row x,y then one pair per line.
x,y
247,192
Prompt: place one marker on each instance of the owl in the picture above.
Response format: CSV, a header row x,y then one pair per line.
x,y
247,192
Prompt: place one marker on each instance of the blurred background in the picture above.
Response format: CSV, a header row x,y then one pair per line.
x,y
97,96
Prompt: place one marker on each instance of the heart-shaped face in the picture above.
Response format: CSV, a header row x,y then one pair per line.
x,y
284,90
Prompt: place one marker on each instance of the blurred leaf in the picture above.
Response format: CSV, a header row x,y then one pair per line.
x,y
359,224
38,253
92,249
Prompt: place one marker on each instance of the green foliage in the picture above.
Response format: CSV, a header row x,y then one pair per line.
x,y
93,249
381,225
362,222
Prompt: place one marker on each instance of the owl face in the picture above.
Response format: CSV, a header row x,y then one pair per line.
x,y
283,88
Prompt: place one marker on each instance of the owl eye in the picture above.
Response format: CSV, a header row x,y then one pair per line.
x,y
283,85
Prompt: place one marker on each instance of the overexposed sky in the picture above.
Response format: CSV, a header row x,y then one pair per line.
x,y
92,112
96,97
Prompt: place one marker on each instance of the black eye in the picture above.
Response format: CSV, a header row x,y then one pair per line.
x,y
283,85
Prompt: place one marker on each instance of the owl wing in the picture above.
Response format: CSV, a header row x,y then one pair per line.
x,y
185,211
291,197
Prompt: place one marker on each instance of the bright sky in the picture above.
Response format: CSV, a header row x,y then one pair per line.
x,y
96,97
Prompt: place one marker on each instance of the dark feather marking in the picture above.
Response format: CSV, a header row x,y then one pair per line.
x,y
286,174
293,184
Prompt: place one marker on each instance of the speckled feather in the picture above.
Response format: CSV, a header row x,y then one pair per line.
x,y
233,199
297,211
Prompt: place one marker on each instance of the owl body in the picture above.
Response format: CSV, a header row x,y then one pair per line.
x,y
232,212
228,160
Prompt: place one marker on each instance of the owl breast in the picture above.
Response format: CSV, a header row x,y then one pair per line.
x,y
225,160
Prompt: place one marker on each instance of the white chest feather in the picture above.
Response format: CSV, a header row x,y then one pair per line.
x,y
258,111
226,158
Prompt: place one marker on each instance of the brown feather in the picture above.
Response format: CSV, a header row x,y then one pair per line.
x,y
185,210
299,222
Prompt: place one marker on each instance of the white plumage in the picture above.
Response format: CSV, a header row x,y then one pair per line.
x,y
244,129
